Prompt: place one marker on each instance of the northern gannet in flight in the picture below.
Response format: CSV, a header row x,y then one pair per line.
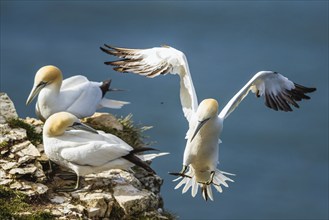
x,y
75,94
84,150
205,122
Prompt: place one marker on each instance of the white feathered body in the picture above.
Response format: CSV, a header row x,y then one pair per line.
x,y
202,152
77,95
86,153
201,157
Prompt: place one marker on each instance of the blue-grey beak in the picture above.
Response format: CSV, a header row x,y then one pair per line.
x,y
83,127
199,126
35,91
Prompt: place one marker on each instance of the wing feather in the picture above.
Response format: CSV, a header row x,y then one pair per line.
x,y
103,148
279,92
73,81
157,61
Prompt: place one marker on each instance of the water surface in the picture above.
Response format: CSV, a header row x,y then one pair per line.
x,y
281,159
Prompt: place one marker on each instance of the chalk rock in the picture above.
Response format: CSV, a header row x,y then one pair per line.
x,y
58,199
20,146
30,150
9,165
7,108
112,194
30,169
96,203
133,200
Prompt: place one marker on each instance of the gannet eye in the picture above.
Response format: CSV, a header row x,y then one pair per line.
x,y
42,84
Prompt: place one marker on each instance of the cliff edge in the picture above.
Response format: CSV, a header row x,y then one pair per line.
x,y
27,186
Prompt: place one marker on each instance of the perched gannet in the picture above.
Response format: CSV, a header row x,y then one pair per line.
x,y
84,150
205,122
75,94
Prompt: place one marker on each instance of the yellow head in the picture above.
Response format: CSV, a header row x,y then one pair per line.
x,y
45,76
48,74
208,108
59,122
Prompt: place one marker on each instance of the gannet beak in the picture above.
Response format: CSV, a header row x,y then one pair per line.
x,y
199,126
83,127
35,91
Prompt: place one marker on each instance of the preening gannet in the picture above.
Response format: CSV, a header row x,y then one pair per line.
x,y
84,150
205,122
75,94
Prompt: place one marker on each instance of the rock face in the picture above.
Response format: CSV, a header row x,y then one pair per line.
x,y
114,194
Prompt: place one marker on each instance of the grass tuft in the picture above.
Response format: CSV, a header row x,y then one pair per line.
x,y
13,202
32,135
130,133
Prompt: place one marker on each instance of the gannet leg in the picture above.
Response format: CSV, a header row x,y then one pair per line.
x,y
181,173
210,181
70,189
67,175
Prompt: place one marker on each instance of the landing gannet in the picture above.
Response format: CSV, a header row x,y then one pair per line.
x,y
205,124
75,94
79,147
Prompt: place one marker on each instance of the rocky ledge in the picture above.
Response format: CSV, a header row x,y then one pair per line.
x,y
25,176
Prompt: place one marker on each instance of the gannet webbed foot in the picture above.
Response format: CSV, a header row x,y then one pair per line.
x,y
211,179
181,173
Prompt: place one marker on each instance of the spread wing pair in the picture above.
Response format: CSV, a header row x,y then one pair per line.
x,y
279,92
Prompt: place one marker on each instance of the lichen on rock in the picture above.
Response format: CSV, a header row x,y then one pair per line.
x,y
25,178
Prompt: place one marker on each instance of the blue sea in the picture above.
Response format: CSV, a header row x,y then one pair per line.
x,y
280,159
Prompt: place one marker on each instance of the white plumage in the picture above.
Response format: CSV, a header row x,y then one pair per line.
x,y
205,122
84,150
76,94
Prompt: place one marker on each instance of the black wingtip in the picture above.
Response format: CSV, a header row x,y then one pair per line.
x,y
304,88
108,46
102,49
138,162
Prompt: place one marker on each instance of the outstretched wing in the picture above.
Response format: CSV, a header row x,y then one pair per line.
x,y
279,92
153,62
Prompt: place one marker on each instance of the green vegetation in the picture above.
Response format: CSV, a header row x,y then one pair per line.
x,y
32,135
130,133
13,202
4,144
4,148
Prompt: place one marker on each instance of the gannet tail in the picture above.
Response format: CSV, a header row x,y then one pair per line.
x,y
110,103
190,181
140,160
148,157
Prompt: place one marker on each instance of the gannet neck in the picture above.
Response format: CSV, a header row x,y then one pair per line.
x,y
57,123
